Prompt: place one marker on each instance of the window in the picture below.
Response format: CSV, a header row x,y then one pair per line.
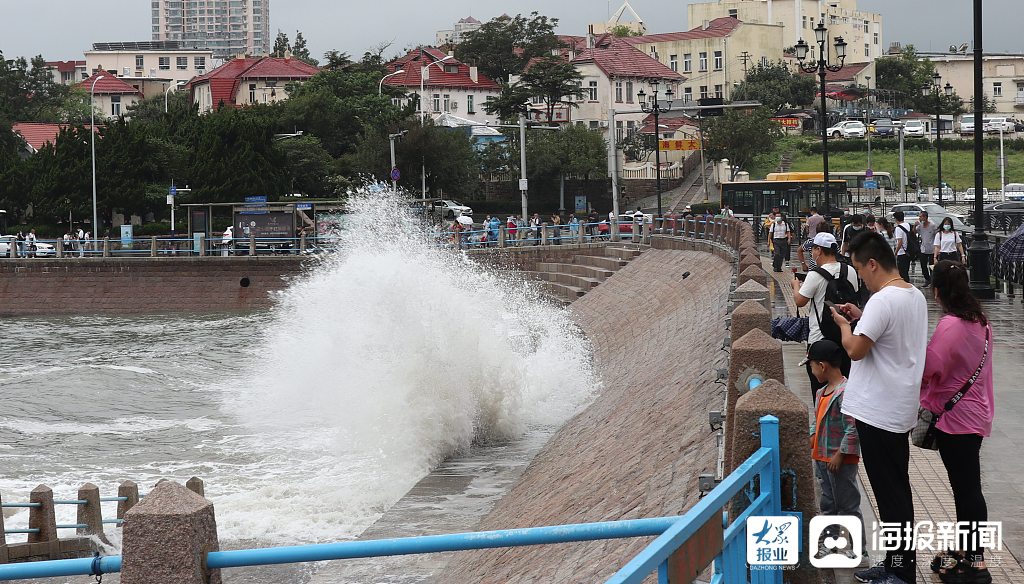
x,y
687,62
687,94
733,13
1020,87
867,49
594,125
630,127
165,63
866,23
618,130
469,104
629,92
876,38
703,91
718,91
115,105
764,61
618,92
673,62
592,90
437,102
703,62
252,93
200,63
718,60
140,62
447,102
182,63
997,89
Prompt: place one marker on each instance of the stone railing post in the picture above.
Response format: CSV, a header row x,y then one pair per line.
x,y
58,248
42,517
252,244
502,234
167,536
106,247
755,273
755,353
645,232
153,247
202,245
196,485
130,491
3,538
581,233
774,398
749,315
543,233
90,514
751,290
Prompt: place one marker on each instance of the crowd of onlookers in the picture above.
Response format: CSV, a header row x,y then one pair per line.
x,y
877,379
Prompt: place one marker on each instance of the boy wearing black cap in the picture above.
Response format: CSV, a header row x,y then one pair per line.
x,y
834,443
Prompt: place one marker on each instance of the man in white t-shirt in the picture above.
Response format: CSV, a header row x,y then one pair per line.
x,y
824,252
902,233
780,236
888,351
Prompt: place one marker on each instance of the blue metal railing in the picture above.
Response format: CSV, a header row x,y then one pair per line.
x,y
671,532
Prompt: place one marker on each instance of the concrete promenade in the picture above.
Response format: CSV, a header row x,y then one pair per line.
x,y
1002,467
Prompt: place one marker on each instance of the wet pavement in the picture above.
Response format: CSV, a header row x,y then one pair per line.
x,y
1002,468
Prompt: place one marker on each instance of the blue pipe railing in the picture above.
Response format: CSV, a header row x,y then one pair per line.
x,y
671,532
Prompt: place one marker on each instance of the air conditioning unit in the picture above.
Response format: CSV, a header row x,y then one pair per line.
x,y
455,106
127,72
603,123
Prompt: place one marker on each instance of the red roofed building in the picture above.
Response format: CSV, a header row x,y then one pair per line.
x,y
715,55
37,134
248,81
67,72
112,95
449,86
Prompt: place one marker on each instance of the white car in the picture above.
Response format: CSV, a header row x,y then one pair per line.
x,y
847,129
914,129
42,249
994,125
449,209
1014,191
969,195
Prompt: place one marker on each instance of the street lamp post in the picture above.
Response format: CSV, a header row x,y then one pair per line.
x,y
92,132
424,71
656,108
168,90
822,67
380,86
934,88
980,251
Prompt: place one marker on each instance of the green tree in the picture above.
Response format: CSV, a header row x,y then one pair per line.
x,y
301,52
503,46
552,79
775,86
337,60
310,167
741,136
511,102
281,45
624,30
906,73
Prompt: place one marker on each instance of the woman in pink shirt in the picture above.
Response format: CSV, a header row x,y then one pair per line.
x,y
962,338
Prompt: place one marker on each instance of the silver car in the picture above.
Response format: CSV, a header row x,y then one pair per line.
x,y
43,250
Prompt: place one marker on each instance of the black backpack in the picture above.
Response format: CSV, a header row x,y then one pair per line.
x,y
838,290
913,243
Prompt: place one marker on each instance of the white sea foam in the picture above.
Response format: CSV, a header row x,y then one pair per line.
x,y
392,355
116,427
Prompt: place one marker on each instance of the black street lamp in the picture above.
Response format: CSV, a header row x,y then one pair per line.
x,y
933,88
822,66
653,107
980,251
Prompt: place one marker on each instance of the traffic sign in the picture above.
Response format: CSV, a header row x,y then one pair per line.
x,y
172,191
396,174
870,184
869,173
304,206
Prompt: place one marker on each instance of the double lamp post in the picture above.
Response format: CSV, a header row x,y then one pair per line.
x,y
654,107
935,88
822,66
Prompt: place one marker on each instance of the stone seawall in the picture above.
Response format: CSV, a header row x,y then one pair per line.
x,y
638,450
142,285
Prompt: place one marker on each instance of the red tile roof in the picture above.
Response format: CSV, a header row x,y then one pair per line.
x,y
618,58
719,27
65,66
673,124
849,72
225,80
37,134
413,61
109,85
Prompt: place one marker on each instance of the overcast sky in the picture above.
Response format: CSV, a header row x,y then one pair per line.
x,y
63,29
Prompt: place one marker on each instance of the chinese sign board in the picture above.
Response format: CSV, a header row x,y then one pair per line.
x,y
788,122
680,144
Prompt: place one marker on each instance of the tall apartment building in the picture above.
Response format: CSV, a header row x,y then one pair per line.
x,y
227,27
861,30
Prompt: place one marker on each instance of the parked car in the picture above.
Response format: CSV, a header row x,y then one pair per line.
x,y
994,125
969,195
449,209
1014,192
914,129
883,128
1018,125
967,125
847,129
1005,207
43,250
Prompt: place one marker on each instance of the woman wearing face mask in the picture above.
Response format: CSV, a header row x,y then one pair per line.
x,y
948,244
887,231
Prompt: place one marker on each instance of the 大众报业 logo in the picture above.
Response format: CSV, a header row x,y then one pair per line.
x,y
773,540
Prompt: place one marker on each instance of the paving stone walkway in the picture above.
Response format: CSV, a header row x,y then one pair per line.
x,y
1002,471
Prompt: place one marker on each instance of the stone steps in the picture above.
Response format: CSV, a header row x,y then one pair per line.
x,y
563,292
581,282
622,252
577,270
602,262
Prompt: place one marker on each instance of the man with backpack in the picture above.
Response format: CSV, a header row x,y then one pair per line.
x,y
908,247
832,281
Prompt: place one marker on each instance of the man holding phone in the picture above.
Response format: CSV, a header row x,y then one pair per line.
x,y
882,394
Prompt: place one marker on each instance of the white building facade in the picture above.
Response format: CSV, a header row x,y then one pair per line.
x,y
150,60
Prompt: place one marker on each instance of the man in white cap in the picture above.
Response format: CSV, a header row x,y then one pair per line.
x,y
812,290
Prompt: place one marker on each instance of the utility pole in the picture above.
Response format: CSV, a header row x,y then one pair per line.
x,y
745,57
523,183
613,171
903,169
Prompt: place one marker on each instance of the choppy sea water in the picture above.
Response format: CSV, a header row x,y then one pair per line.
x,y
306,421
